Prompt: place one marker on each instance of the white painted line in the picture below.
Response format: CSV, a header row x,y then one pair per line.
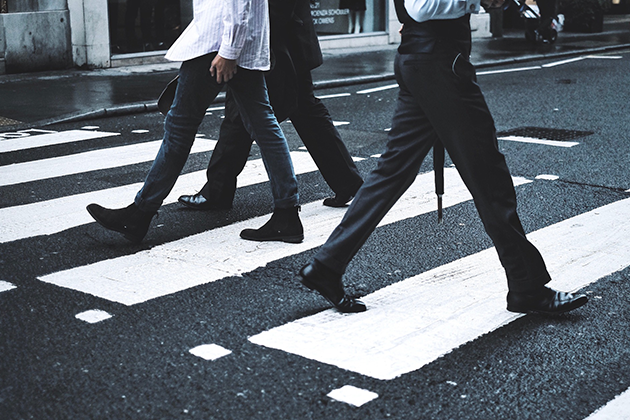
x,y
216,108
90,127
377,156
545,142
338,123
334,95
141,131
23,133
93,316
31,142
352,395
210,351
628,191
219,253
481,73
53,216
610,57
410,323
567,61
5,286
377,89
95,160
547,177
617,409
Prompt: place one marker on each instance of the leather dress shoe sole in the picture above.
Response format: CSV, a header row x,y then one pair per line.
x,y
251,235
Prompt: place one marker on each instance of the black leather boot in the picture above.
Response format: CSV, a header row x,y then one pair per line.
x,y
132,222
284,226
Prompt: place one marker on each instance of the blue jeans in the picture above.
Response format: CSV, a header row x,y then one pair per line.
x,y
196,89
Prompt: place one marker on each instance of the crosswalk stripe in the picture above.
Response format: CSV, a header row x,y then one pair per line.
x,y
617,409
113,157
53,216
5,285
219,253
377,89
546,142
412,323
30,142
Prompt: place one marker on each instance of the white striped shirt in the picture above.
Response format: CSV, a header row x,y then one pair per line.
x,y
236,29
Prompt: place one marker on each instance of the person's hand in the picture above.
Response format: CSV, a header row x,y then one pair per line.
x,y
223,69
492,4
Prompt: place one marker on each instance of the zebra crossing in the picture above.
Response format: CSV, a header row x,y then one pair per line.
x,y
394,337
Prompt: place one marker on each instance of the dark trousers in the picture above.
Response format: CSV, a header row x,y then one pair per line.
x,y
439,100
313,124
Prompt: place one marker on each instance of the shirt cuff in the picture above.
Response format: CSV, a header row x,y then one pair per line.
x,y
229,53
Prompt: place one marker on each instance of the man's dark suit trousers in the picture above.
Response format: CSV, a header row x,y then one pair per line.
x,y
439,100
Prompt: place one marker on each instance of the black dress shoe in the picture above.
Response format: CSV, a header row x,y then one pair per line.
x,y
544,301
317,277
132,222
199,202
284,226
342,199
338,200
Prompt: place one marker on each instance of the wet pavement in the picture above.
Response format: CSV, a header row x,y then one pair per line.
x,y
41,98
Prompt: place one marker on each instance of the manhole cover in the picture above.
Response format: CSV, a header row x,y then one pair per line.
x,y
545,133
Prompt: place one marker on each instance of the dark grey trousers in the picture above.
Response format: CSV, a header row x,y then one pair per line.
x,y
439,100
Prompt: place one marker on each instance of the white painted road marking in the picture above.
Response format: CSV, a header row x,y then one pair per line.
x,y
31,142
609,57
547,177
617,409
540,141
5,286
352,395
481,73
377,89
567,61
95,160
210,351
410,324
334,95
216,254
53,216
93,316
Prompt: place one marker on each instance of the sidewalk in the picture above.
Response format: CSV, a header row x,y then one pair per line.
x,y
37,99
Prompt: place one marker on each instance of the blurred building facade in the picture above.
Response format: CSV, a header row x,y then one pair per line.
x,y
57,34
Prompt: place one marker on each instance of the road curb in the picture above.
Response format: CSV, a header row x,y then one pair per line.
x,y
143,107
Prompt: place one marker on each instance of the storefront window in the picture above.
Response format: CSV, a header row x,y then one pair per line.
x,y
145,25
336,17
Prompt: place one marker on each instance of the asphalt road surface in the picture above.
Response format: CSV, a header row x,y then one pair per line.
x,y
197,323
